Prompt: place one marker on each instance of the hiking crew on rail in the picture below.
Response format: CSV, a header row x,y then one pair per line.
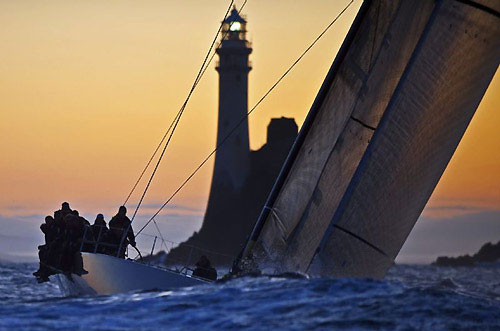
x,y
67,234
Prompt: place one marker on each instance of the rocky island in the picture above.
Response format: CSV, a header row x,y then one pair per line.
x,y
488,253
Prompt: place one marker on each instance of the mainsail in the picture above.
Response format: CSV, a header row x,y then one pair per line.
x,y
378,137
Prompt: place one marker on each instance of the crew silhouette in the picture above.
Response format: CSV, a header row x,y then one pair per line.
x,y
121,230
204,269
67,234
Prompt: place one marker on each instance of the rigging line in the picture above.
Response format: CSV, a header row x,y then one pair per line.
x,y
159,232
201,71
223,36
149,162
197,80
176,122
181,111
248,114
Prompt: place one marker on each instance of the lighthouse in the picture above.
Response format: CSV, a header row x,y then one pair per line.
x,y
242,178
232,158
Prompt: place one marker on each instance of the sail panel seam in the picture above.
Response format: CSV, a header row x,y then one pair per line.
x,y
480,7
363,124
362,240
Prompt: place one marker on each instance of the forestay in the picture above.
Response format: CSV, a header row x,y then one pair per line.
x,y
387,120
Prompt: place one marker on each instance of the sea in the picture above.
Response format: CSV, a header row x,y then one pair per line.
x,y
411,297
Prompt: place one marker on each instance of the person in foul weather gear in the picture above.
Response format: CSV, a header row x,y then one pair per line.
x,y
44,251
101,235
61,213
71,242
63,241
86,238
48,229
204,269
120,228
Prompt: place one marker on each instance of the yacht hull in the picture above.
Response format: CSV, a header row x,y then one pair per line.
x,y
110,275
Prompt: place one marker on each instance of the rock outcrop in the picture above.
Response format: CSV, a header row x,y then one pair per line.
x,y
488,253
231,212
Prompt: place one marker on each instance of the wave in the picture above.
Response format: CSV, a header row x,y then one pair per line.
x,y
409,297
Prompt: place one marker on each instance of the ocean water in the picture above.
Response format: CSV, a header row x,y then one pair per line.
x,y
410,297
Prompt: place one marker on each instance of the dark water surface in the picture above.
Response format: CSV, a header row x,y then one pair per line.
x,y
411,297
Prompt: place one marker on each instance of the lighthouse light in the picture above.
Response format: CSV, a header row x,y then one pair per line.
x,y
235,26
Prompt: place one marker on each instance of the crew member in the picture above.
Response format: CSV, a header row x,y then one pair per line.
x,y
101,234
204,269
61,213
43,272
120,227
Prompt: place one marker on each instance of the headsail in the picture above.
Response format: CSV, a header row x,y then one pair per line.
x,y
385,124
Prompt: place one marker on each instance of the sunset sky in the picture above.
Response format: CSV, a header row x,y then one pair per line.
x,y
88,87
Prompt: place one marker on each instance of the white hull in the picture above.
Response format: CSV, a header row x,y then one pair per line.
x,y
111,275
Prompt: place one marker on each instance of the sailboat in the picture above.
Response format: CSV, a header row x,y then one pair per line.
x,y
385,123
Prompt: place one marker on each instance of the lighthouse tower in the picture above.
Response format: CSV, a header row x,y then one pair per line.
x,y
241,178
232,159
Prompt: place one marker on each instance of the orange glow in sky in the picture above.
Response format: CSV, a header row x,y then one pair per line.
x,y
88,87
